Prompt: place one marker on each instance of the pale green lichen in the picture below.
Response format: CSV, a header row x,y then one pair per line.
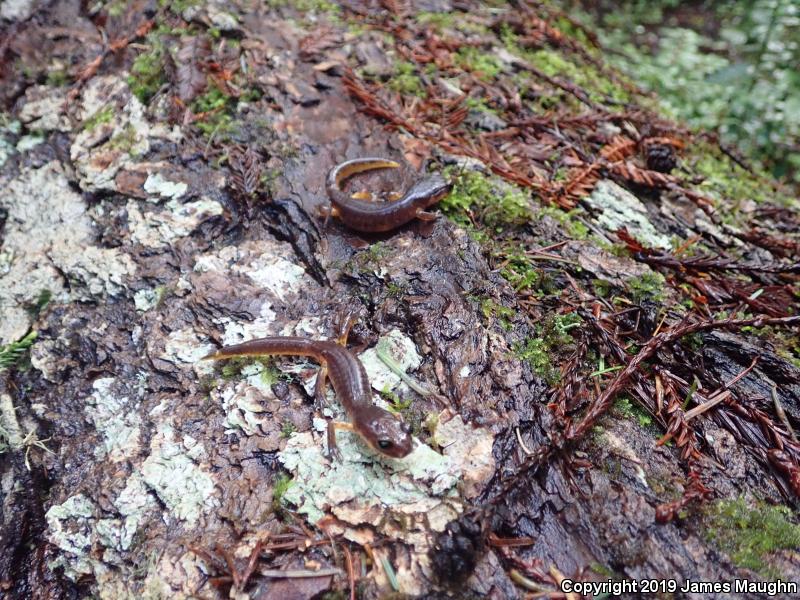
x,y
114,418
173,475
69,527
158,185
145,300
617,208
402,350
362,477
162,227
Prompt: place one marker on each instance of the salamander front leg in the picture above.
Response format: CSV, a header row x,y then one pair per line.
x,y
333,449
424,215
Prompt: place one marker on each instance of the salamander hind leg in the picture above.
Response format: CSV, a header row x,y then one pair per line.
x,y
321,386
346,321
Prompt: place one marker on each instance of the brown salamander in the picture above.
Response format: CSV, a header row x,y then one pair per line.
x,y
373,217
378,427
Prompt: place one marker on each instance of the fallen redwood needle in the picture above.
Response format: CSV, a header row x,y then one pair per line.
x,y
298,573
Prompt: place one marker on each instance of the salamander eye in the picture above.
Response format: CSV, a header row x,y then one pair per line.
x,y
384,444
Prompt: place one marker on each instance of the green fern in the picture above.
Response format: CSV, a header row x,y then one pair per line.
x,y
14,351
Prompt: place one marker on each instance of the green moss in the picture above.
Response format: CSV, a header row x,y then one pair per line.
x,y
232,368
38,305
148,72
574,228
520,271
217,109
270,375
178,6
481,62
104,115
405,79
627,409
438,21
480,105
57,78
723,179
556,64
649,286
498,203
492,309
750,535
125,140
553,338
307,5
287,428
395,290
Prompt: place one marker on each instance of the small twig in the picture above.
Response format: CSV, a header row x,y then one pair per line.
x,y
782,413
351,574
299,573
522,445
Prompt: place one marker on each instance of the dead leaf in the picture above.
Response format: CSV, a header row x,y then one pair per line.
x,y
191,58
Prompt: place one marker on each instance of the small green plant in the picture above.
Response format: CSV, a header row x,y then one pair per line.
x,y
484,64
282,484
287,429
554,338
492,309
750,535
148,71
103,115
405,80
13,352
648,286
627,409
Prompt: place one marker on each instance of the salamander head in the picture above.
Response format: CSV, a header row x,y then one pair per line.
x,y
429,191
384,432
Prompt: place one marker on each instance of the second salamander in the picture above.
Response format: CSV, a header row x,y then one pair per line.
x,y
378,427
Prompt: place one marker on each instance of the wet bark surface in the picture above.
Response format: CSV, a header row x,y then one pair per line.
x,y
140,236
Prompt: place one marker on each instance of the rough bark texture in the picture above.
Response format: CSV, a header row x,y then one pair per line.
x,y
162,230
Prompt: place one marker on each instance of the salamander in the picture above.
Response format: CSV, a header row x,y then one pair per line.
x,y
374,217
378,427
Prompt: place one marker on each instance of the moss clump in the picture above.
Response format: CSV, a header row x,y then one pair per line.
x,y
498,203
725,180
568,219
556,64
405,80
287,429
649,286
750,535
503,314
125,140
217,109
103,115
57,78
148,70
482,63
553,338
629,410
